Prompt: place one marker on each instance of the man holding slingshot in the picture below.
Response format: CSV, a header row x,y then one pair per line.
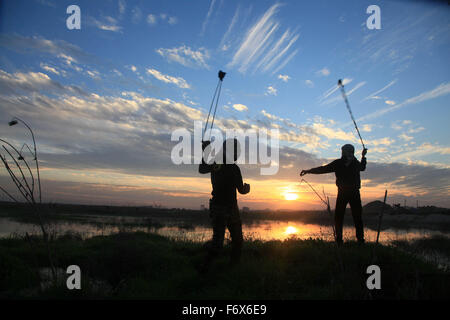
x,y
348,181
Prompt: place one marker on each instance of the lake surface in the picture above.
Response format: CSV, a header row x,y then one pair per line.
x,y
262,230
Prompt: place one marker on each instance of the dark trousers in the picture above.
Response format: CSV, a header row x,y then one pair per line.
x,y
226,217
344,197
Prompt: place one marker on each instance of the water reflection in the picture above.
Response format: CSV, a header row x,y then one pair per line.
x,y
263,230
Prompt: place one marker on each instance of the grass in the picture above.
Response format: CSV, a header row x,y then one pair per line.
x,y
148,266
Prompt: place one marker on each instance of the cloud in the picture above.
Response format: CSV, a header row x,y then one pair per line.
x,y
405,137
332,133
130,155
374,95
333,89
323,72
93,74
58,48
151,19
122,7
133,68
49,69
33,82
416,130
172,20
106,24
441,90
178,81
136,15
186,56
208,16
284,78
271,91
240,107
423,150
367,128
390,102
348,93
309,83
258,49
224,42
268,115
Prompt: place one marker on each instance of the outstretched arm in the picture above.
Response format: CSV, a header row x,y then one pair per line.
x,y
331,167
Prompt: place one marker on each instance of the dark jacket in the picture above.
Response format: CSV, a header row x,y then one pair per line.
x,y
225,179
346,177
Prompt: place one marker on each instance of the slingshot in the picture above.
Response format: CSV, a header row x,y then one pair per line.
x,y
217,92
350,110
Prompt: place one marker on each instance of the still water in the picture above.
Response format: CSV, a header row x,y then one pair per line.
x,y
263,230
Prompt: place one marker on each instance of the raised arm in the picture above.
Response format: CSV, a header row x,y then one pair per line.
x,y
363,160
204,168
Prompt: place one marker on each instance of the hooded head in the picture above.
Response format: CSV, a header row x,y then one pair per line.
x,y
230,150
348,152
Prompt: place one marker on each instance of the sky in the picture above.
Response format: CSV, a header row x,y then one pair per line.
x,y
103,100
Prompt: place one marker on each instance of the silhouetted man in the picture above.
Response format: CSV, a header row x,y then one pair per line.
x,y
224,211
348,181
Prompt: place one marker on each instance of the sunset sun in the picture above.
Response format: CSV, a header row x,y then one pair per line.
x,y
290,196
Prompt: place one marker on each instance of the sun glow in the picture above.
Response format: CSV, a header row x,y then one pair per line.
x,y
291,230
290,196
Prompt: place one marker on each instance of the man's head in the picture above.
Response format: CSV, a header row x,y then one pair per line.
x,y
230,150
348,151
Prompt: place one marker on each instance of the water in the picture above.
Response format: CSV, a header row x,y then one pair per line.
x,y
263,230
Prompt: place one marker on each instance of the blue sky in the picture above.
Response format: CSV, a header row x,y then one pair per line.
x,y
139,69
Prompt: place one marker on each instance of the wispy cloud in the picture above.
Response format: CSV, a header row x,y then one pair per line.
x,y
186,56
57,48
260,50
152,19
106,24
405,137
323,72
136,15
93,74
49,69
333,89
309,83
208,16
223,43
376,93
338,97
178,81
441,90
122,7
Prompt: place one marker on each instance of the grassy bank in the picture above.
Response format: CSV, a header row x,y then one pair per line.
x,y
148,266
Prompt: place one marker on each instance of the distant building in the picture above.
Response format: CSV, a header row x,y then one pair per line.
x,y
202,207
245,209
